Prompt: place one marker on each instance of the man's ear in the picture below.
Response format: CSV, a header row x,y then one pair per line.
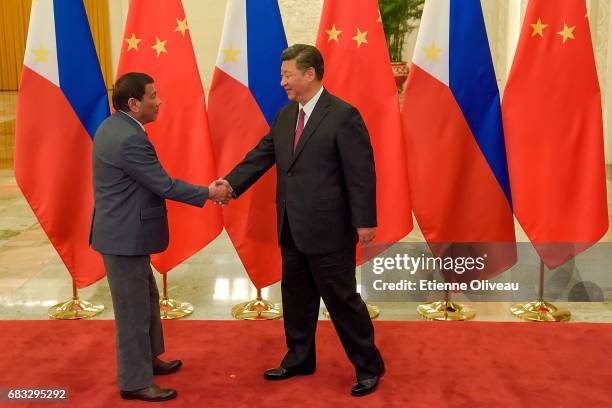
x,y
312,75
133,105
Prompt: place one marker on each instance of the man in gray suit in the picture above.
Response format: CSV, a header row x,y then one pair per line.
x,y
129,224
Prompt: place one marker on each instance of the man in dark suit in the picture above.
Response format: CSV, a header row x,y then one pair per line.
x,y
129,224
326,202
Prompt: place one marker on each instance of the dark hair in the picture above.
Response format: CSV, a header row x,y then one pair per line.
x,y
130,85
305,56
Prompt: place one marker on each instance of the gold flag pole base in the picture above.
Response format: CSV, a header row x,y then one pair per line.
x,y
539,310
170,309
74,309
373,311
445,310
257,309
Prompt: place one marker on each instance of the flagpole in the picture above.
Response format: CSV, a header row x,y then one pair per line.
x,y
171,309
257,309
445,310
540,310
75,308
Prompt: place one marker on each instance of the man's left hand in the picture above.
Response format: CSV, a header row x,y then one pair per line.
x,y
366,235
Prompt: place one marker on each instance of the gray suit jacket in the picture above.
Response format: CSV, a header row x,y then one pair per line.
x,y
130,188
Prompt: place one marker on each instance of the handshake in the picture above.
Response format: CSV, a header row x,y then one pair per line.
x,y
220,191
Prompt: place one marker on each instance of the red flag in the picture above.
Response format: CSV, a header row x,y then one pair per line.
x,y
554,133
157,42
357,70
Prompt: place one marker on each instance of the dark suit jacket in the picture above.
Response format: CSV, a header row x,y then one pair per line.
x,y
327,188
130,188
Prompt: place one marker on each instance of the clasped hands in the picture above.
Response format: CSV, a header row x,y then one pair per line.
x,y
220,191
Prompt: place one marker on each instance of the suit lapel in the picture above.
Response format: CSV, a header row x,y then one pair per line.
x,y
288,128
319,112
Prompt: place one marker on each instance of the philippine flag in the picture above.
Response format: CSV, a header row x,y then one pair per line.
x,y
453,128
245,96
62,100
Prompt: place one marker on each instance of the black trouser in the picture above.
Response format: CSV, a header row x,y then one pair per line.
x,y
138,327
305,279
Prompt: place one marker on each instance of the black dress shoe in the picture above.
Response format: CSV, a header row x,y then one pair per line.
x,y
281,373
161,367
152,393
365,387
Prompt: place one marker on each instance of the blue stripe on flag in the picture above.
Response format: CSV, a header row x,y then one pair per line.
x,y
265,42
79,69
473,83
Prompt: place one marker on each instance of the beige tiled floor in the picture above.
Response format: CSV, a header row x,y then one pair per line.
x,y
32,277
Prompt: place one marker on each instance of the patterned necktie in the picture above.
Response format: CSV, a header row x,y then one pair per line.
x,y
299,129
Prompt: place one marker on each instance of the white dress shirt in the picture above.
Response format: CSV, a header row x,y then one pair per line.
x,y
135,120
309,107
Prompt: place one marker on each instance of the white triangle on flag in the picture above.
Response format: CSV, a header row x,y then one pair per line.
x,y
232,58
41,47
431,52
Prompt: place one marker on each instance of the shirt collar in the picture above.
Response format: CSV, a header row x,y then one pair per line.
x,y
310,105
134,119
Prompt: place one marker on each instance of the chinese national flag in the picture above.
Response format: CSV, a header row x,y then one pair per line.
x,y
554,133
157,42
358,70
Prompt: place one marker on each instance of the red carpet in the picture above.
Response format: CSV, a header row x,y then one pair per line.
x,y
429,364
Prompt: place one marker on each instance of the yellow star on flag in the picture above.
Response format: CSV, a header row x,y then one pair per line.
x,y
432,53
567,32
230,54
360,38
181,26
160,46
133,42
41,54
333,34
538,28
